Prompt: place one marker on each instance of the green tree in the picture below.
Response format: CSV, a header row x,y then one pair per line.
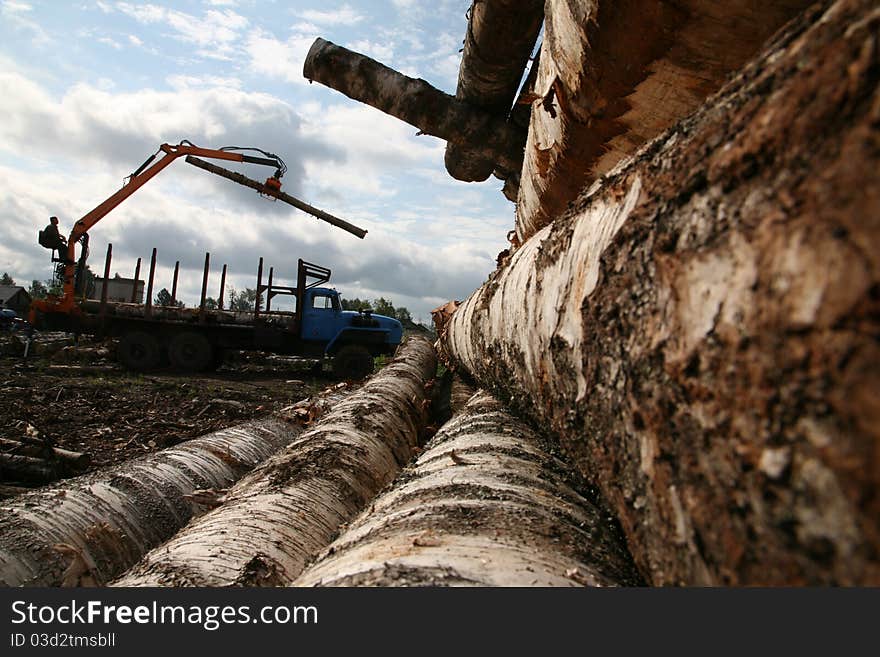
x,y
242,301
354,304
6,279
38,290
164,299
403,315
211,303
383,306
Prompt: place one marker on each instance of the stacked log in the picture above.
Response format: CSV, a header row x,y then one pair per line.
x,y
615,74
500,36
277,518
89,529
486,504
701,327
485,135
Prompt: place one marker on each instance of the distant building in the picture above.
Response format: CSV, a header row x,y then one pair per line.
x,y
119,289
15,298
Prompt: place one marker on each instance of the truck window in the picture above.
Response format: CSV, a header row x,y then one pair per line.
x,y
322,302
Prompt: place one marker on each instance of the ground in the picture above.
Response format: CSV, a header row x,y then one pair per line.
x,y
114,415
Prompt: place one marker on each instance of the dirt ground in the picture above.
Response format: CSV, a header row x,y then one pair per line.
x,y
81,400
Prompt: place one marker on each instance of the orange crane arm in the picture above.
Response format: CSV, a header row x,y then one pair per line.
x,y
137,180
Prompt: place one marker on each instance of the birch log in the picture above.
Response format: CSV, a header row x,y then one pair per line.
x,y
500,36
105,521
614,74
415,101
702,328
284,512
485,505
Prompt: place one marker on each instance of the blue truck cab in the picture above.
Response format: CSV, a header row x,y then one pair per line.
x,y
324,320
352,339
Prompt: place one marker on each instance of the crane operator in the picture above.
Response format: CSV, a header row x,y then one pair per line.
x,y
51,238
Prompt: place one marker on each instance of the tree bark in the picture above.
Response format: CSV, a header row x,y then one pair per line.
x,y
615,74
500,36
701,329
485,505
414,101
109,519
278,517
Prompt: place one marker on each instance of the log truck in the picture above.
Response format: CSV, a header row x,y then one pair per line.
x,y
195,339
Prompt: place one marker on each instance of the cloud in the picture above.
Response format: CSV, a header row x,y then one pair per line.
x,y
217,33
15,14
274,58
15,6
382,52
110,42
344,15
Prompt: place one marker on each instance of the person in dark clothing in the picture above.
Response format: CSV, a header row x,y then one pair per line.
x,y
51,238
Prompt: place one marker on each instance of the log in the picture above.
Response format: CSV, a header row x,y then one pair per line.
x,y
234,176
32,469
500,37
12,491
70,459
615,74
110,518
414,101
701,328
277,518
485,505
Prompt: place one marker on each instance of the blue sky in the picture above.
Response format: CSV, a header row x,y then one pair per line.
x,y
89,89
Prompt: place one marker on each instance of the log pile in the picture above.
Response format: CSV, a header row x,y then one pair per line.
x,y
693,315
89,529
700,327
486,504
278,517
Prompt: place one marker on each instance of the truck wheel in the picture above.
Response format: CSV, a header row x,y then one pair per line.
x,y
353,362
139,351
191,352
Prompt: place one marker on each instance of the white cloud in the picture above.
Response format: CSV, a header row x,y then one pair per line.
x,y
133,40
14,13
110,42
382,52
15,6
279,59
217,33
344,15
183,82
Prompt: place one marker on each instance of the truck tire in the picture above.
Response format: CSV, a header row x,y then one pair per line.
x,y
139,351
353,362
191,352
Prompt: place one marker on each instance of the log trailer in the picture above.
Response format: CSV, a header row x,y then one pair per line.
x,y
195,339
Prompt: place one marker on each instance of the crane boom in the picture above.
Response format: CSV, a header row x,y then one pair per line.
x,y
143,174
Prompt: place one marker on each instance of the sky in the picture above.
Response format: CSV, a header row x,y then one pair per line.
x,y
89,89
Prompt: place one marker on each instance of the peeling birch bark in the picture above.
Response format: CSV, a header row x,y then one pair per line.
x,y
284,512
701,328
109,519
485,505
500,37
614,75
